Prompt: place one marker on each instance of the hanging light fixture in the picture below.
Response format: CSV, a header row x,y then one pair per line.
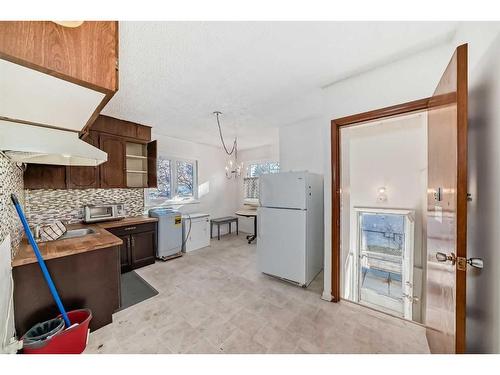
x,y
233,169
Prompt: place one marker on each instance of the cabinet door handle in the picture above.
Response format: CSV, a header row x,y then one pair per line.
x,y
133,242
128,242
129,228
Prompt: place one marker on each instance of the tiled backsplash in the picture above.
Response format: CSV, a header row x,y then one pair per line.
x,y
47,205
11,181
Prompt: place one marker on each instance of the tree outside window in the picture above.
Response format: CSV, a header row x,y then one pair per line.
x,y
184,178
163,175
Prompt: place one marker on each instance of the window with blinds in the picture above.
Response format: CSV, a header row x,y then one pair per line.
x,y
251,181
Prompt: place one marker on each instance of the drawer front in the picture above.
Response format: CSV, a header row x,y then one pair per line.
x,y
132,228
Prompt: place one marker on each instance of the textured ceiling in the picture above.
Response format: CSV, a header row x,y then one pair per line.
x,y
261,75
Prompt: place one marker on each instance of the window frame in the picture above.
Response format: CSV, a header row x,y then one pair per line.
x,y
175,199
247,166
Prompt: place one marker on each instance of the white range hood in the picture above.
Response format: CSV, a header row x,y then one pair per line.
x,y
41,145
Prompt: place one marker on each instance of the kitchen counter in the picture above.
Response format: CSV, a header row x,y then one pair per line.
x,y
133,220
101,239
86,271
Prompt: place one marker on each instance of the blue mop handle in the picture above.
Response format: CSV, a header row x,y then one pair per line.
x,y
41,262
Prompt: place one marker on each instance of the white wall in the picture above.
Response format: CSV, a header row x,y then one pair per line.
x,y
258,154
218,195
301,146
390,153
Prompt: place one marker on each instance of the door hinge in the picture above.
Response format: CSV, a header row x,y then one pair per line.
x,y
117,64
461,263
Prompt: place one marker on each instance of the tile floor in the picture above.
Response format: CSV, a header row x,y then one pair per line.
x,y
214,300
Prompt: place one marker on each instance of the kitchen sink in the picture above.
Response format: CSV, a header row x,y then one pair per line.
x,y
72,233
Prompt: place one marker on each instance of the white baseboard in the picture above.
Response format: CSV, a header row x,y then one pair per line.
x,y
326,296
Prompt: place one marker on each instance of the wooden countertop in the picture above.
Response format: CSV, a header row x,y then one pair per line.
x,y
133,220
101,239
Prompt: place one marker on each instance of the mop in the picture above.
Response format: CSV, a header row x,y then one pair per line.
x,y
40,260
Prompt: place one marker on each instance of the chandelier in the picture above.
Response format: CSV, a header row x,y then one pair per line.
x,y
233,168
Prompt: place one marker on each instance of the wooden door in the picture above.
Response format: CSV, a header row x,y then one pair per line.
x,y
112,172
143,248
84,177
152,181
447,209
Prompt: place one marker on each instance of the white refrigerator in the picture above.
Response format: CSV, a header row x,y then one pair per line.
x,y
290,226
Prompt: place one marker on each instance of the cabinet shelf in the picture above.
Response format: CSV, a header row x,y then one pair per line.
x,y
136,157
134,171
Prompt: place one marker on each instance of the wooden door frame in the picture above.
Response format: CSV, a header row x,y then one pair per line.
x,y
336,126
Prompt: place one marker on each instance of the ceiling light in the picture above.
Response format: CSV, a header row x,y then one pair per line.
x,y
232,169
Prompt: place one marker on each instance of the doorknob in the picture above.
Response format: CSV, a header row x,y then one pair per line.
x,y
442,257
473,262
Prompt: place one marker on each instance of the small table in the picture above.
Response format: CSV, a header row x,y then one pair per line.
x,y
250,213
223,220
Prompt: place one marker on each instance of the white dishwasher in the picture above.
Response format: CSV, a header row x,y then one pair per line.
x,y
195,231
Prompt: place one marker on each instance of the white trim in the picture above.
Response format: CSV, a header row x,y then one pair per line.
x,y
326,296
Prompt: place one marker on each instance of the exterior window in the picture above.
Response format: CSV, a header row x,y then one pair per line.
x,y
164,180
254,170
257,169
177,182
185,178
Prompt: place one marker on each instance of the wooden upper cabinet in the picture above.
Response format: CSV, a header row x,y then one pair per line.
x,y
131,160
42,176
84,177
86,55
44,64
112,172
123,128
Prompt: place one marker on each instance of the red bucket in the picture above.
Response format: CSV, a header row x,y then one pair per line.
x,y
70,341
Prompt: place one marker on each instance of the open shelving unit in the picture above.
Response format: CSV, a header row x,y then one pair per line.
x,y
136,164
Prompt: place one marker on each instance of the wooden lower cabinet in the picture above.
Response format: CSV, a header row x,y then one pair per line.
x,y
143,249
139,245
86,280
